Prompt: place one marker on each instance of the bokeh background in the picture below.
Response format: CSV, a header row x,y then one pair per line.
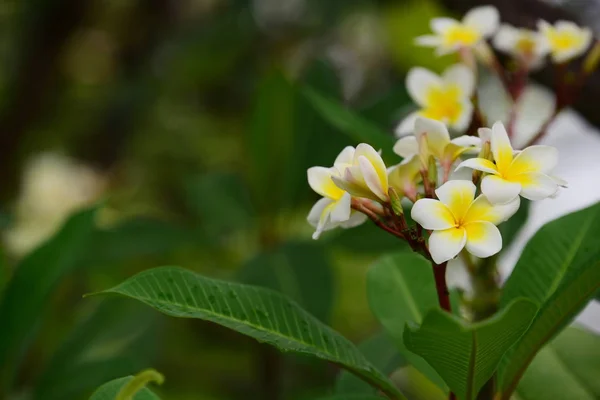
x,y
188,121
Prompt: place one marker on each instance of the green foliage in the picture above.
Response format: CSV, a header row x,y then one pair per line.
x,y
352,397
34,281
300,270
260,313
401,289
567,368
381,351
559,268
110,390
510,229
467,355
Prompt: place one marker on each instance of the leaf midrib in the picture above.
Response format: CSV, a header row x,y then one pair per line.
x,y
472,361
412,305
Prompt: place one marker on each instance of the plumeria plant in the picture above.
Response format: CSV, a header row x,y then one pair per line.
x,y
459,194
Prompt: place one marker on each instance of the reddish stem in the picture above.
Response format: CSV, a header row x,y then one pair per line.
x,y
439,273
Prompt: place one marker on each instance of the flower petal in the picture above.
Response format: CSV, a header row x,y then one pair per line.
x,y
356,219
446,244
485,134
537,186
505,38
498,190
462,76
534,159
432,214
428,41
479,164
340,210
467,141
458,196
437,134
407,125
319,216
501,147
319,179
485,19
406,147
372,179
442,24
418,82
347,184
481,210
483,239
461,123
368,152
345,157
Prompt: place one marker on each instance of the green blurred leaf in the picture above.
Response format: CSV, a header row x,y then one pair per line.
x,y
367,238
352,397
401,289
299,270
559,268
260,313
109,391
352,124
381,351
467,355
32,284
511,228
567,368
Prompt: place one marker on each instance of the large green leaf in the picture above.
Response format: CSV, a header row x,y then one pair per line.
x,y
32,284
300,270
567,368
381,351
401,289
109,391
352,124
352,397
559,268
467,355
260,313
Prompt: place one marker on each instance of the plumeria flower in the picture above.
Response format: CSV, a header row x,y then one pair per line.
x,y
362,173
525,45
451,35
405,176
458,221
432,139
565,39
525,173
334,209
446,98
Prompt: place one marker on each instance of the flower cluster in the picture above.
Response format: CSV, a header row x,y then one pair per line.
x,y
452,214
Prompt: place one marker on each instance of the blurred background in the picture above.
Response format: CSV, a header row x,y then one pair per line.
x,y
187,121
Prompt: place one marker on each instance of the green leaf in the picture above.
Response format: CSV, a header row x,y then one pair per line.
x,y
352,124
381,351
110,390
32,284
260,313
401,289
467,355
559,268
300,270
567,368
352,397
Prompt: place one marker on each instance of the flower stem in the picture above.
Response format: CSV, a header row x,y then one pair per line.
x,y
439,273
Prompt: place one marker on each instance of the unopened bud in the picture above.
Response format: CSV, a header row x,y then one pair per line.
x,y
395,201
486,151
432,170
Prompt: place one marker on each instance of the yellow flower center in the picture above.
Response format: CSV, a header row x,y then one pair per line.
x,y
560,41
525,45
443,103
461,35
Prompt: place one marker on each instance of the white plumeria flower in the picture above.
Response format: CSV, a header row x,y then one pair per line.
x,y
431,138
525,174
362,173
334,209
565,39
458,221
446,98
526,45
451,35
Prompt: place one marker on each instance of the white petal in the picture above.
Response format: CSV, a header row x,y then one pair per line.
x,y
467,141
501,147
341,209
371,178
535,159
319,217
537,186
464,119
428,40
437,134
485,134
483,239
505,38
479,164
432,214
498,190
485,19
559,181
319,179
356,218
441,24
407,125
347,184
406,147
535,106
374,158
446,244
462,76
418,82
345,157
482,210
457,195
